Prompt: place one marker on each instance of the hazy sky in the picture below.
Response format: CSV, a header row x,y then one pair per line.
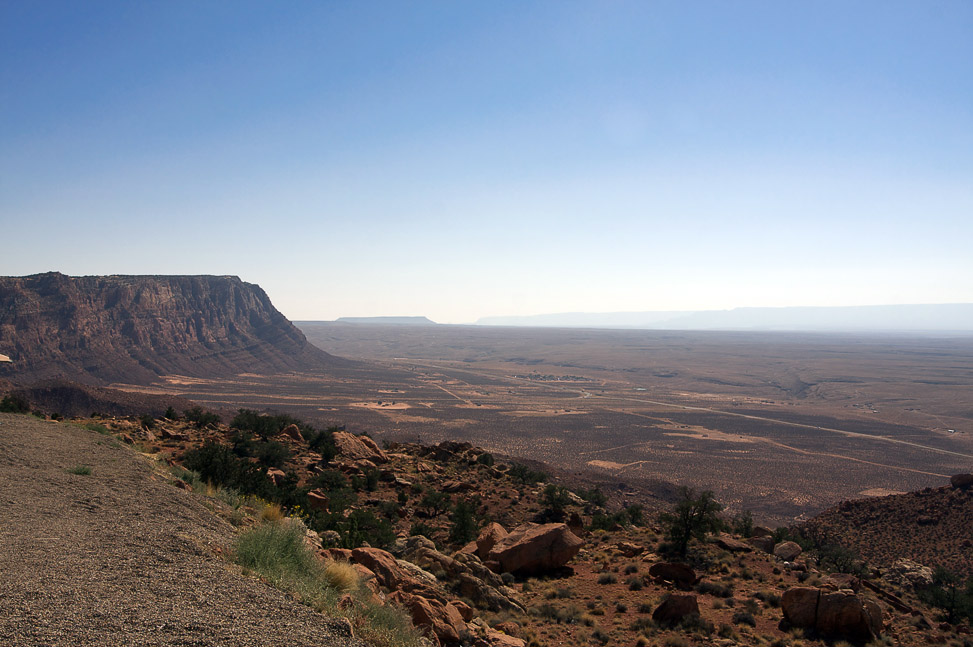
x,y
464,159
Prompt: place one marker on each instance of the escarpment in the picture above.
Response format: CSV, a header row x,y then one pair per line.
x,y
103,329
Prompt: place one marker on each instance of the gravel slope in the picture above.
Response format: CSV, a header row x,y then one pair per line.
x,y
120,557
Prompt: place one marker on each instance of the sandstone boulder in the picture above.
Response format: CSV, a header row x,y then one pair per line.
x,y
840,615
318,500
276,476
628,549
681,575
293,432
762,531
358,448
675,608
787,551
442,619
390,573
766,544
907,573
494,638
533,548
489,537
726,542
961,481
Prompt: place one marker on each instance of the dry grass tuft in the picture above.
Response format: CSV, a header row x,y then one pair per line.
x,y
271,512
341,576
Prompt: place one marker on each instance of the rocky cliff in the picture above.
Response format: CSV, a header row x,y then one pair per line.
x,y
103,329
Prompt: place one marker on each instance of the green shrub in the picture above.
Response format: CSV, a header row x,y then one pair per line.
x,y
81,470
14,403
744,618
743,524
525,475
201,418
435,503
170,414
485,458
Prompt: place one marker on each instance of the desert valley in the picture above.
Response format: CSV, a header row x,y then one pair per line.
x,y
850,448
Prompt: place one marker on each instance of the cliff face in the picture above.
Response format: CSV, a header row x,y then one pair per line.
x,y
102,329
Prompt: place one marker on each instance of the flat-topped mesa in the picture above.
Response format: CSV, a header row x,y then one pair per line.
x,y
103,329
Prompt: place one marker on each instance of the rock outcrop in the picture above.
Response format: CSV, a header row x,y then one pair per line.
x,y
103,329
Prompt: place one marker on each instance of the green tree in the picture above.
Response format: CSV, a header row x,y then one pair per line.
x,y
947,593
556,499
694,516
464,526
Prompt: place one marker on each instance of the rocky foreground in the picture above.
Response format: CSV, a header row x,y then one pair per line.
x,y
602,576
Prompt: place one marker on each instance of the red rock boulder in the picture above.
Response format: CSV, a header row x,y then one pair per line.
x,y
674,573
532,548
675,608
358,448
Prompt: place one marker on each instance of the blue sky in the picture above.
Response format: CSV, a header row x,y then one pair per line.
x,y
459,160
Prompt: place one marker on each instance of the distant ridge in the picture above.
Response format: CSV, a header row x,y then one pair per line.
x,y
395,321
103,329
951,317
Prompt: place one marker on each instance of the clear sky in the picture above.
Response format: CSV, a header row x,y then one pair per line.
x,y
465,159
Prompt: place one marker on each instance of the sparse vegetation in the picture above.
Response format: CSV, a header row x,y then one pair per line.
x,y
81,470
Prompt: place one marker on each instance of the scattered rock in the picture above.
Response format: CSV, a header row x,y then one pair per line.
x,y
533,548
676,607
628,549
787,551
182,485
276,476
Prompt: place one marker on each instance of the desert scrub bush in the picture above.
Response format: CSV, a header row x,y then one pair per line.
x,y
634,583
771,599
434,503
742,524
201,418
341,576
81,470
716,589
744,618
607,578
278,553
675,641
525,475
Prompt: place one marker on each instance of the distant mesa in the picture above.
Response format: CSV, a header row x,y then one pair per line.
x,y
949,317
102,329
394,321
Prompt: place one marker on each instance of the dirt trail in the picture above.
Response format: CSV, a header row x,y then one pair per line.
x,y
121,557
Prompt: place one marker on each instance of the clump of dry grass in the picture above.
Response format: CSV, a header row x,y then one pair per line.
x,y
271,512
341,576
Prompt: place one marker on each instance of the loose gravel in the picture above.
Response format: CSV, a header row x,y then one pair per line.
x,y
121,557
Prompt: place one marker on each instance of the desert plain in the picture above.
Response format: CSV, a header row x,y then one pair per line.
x,y
781,424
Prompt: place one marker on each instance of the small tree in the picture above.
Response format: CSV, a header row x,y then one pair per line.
x,y
694,517
464,525
947,594
556,499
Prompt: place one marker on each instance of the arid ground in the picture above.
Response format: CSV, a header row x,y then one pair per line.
x,y
783,424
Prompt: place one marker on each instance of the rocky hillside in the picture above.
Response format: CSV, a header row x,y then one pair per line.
x,y
103,329
932,527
